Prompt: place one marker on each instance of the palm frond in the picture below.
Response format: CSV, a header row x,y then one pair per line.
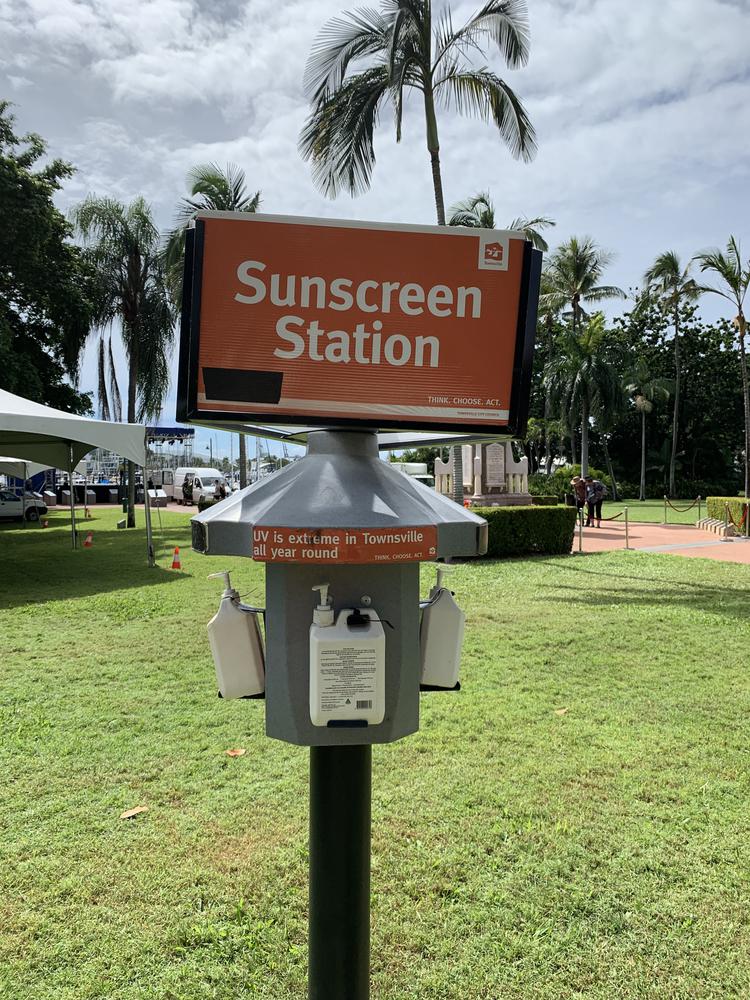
x,y
344,38
728,267
477,212
481,94
530,228
338,136
601,293
505,22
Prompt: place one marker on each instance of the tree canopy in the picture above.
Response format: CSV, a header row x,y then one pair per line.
x,y
45,281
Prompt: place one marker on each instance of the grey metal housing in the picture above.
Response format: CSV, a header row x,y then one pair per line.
x,y
340,483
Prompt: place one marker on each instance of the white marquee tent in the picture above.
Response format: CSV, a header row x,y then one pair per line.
x,y
17,468
59,440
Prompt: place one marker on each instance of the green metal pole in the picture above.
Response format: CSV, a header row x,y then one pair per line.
x,y
665,509
340,810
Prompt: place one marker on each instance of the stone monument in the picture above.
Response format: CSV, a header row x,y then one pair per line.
x,y
492,476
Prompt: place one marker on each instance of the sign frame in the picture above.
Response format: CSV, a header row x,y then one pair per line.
x,y
188,365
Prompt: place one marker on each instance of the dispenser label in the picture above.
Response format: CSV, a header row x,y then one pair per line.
x,y
345,545
347,679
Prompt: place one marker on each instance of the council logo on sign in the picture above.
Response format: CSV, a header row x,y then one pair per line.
x,y
493,253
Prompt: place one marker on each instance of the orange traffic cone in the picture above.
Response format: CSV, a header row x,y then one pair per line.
x,y
176,564
89,540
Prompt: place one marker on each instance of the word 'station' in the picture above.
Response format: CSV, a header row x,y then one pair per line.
x,y
345,545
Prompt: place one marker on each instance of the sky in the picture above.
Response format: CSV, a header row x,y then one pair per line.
x,y
641,107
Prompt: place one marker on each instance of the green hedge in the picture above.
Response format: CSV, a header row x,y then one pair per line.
x,y
520,531
715,507
544,501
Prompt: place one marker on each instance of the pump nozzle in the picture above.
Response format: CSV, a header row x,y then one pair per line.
x,y
323,613
442,570
223,575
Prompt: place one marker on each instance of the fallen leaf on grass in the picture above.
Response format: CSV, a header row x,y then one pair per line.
x,y
132,813
235,753
561,711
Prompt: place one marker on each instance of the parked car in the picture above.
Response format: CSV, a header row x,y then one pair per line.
x,y
11,506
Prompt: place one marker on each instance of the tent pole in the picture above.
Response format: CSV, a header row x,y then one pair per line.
x,y
23,493
147,511
74,534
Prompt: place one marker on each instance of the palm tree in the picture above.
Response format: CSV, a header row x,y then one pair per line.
x,y
124,248
736,280
582,379
479,213
672,282
211,189
645,390
408,52
572,277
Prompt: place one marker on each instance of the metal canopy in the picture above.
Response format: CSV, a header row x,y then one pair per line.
x,y
341,482
387,440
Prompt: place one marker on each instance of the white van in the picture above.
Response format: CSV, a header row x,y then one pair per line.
x,y
203,483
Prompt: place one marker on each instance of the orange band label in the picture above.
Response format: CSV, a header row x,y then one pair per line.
x,y
344,545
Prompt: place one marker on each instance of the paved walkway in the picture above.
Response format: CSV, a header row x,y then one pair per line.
x,y
676,539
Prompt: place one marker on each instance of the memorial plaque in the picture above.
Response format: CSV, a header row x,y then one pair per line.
x,y
494,465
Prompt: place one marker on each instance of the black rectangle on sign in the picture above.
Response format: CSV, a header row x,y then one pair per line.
x,y
234,385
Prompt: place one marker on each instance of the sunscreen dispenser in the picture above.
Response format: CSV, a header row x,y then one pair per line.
x,y
236,646
347,666
441,636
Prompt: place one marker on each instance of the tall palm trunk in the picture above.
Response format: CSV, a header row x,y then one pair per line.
x,y
610,467
573,452
742,324
642,495
585,438
132,387
676,416
548,405
243,462
433,146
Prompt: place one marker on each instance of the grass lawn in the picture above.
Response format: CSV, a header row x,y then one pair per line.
x,y
653,511
572,824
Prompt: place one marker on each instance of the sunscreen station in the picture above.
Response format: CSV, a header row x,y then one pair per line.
x,y
347,644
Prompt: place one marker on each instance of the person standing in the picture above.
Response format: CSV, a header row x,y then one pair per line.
x,y
579,493
595,493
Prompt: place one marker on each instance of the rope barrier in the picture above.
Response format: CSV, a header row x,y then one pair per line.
x,y
614,516
731,516
681,510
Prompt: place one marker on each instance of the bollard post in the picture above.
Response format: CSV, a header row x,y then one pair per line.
x,y
627,532
747,519
665,509
699,508
580,530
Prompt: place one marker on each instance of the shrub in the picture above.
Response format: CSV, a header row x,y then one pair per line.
x,y
542,501
558,484
716,506
520,531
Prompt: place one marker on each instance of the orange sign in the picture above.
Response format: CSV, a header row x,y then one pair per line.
x,y
345,545
327,322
